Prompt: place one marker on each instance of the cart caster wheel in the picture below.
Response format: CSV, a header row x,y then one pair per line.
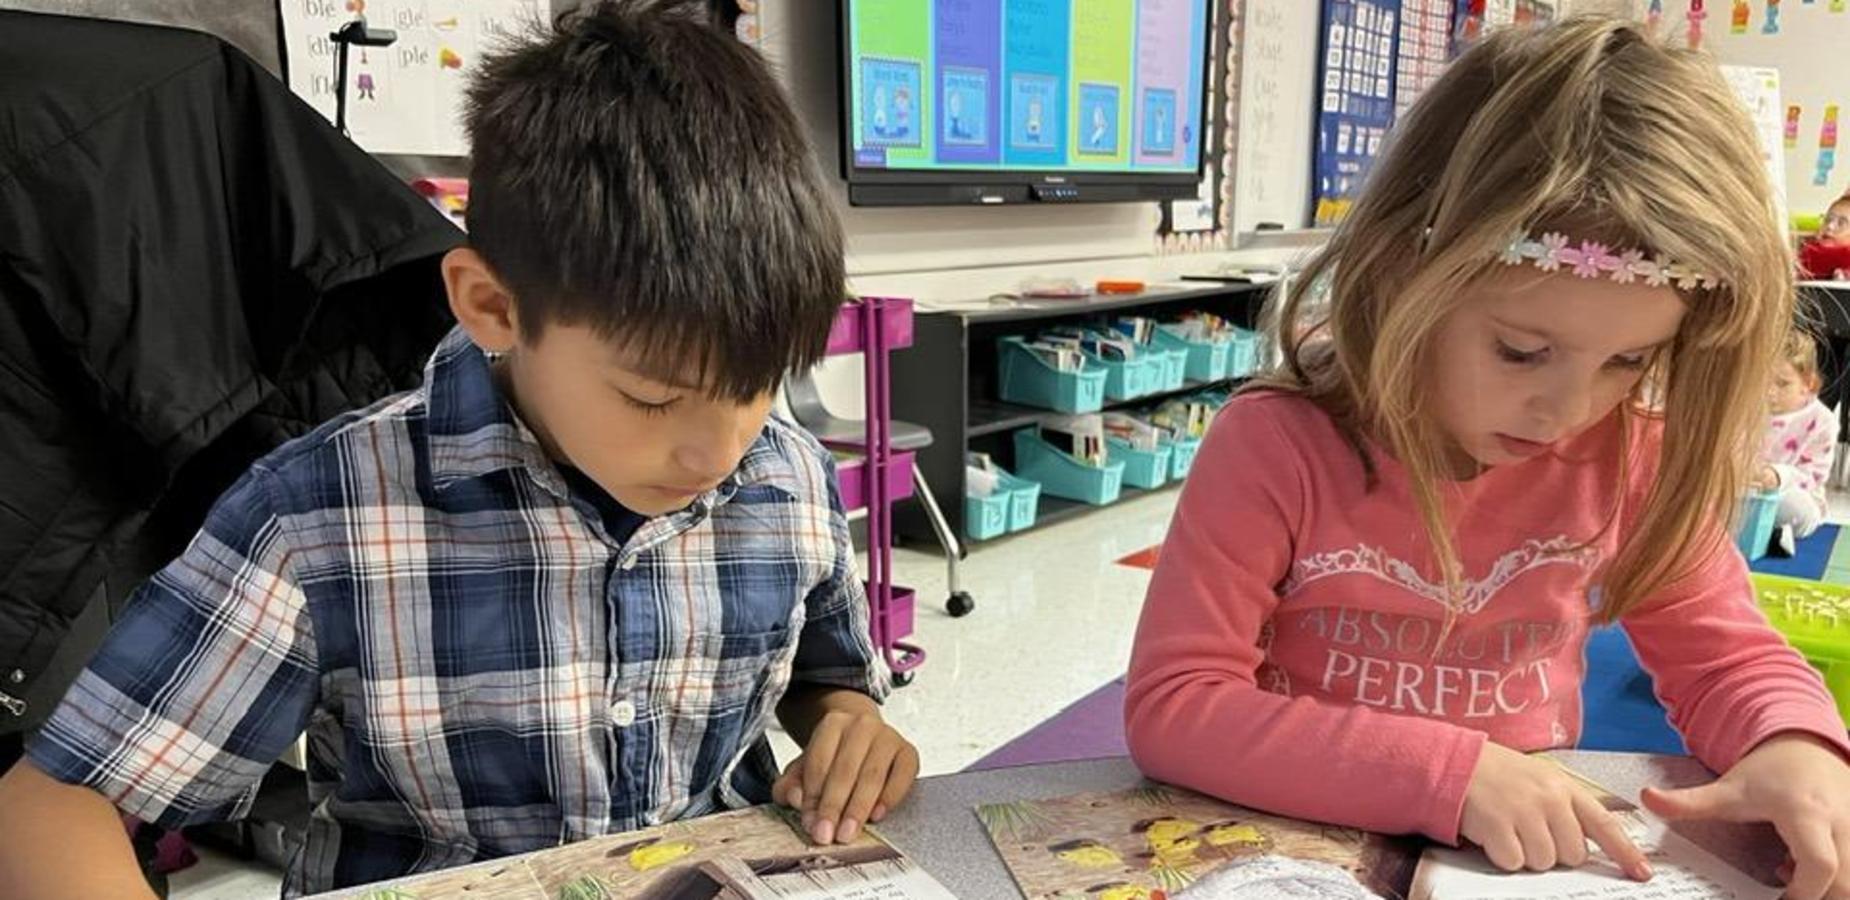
x,y
961,604
901,679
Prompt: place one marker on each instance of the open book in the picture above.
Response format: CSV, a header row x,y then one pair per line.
x,y
1157,841
1683,871
1161,843
752,854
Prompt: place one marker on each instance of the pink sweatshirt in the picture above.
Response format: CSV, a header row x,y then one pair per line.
x,y
1286,659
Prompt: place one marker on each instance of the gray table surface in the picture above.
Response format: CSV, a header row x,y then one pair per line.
x,y
938,827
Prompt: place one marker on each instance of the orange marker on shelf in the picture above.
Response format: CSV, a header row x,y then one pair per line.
x,y
1118,286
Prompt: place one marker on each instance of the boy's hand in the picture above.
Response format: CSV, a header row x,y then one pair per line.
x,y
1529,813
1798,783
855,770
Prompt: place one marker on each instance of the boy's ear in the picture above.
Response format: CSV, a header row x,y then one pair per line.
x,y
481,304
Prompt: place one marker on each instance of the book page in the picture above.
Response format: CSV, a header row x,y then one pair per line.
x,y
753,854
1683,871
879,876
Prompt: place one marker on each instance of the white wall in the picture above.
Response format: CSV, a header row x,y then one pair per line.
x,y
249,25
1807,51
1608,7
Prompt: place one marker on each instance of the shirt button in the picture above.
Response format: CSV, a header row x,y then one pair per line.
x,y
623,714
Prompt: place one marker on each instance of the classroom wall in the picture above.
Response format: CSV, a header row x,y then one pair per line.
x,y
1808,52
1606,7
250,25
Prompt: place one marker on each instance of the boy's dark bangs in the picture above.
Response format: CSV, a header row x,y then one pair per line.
x,y
724,347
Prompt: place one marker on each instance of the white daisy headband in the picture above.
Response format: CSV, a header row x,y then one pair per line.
x,y
1554,252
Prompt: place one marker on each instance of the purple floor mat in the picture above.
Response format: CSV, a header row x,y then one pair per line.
x,y
1091,728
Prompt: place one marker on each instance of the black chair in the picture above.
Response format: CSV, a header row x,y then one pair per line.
x,y
807,408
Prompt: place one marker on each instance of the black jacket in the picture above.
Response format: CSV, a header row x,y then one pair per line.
x,y
194,267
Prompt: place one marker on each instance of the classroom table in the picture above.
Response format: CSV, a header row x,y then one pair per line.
x,y
939,830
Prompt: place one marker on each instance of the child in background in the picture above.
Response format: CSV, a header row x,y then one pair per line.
x,y
1527,409
1801,443
1827,256
561,590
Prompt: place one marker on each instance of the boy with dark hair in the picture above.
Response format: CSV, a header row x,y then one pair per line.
x,y
560,590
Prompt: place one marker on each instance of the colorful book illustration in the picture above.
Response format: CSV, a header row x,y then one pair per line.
x,y
1159,842
1162,843
751,854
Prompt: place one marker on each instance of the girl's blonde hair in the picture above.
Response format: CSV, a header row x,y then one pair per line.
x,y
1588,128
1801,351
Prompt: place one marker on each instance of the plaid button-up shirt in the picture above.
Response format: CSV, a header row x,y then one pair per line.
x,y
480,668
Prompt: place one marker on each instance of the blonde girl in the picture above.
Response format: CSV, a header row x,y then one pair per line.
x,y
1523,385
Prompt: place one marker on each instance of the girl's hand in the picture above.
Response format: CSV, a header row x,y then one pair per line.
x,y
1767,480
1801,785
1529,813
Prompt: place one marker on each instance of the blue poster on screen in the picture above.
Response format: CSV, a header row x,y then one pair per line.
x,y
1098,119
1036,70
966,107
967,63
890,102
1034,112
1159,121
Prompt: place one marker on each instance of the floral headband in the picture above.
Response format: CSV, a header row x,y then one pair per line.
x,y
1591,259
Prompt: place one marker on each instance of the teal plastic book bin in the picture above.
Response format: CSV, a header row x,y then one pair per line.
x,y
1154,366
1013,507
1024,378
1024,501
1146,469
1061,475
1243,359
987,517
1174,367
1182,457
1756,529
1207,360
1129,379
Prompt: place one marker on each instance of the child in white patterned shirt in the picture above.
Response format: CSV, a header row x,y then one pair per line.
x,y
1801,442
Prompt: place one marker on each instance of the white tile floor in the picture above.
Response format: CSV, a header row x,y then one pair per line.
x,y
1054,619
220,877
1840,508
